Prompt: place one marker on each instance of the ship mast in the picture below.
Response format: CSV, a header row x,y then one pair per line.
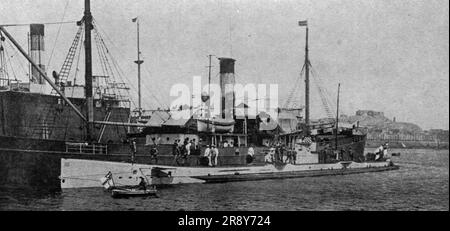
x,y
307,84
337,117
88,69
138,62
306,66
209,92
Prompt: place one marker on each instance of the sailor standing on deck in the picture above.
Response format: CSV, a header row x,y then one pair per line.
x,y
385,150
142,184
269,158
336,154
379,152
214,155
277,152
187,147
250,154
133,149
183,146
192,148
350,153
208,154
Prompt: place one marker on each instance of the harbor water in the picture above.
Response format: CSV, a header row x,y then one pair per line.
x,y
421,183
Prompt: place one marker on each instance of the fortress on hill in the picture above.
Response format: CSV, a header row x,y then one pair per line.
x,y
399,134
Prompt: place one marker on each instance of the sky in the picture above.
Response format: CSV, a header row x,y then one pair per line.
x,y
388,55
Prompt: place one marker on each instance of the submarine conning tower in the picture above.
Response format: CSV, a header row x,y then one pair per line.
x,y
37,50
227,81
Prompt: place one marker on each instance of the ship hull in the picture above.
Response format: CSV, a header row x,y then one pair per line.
x,y
86,173
34,129
35,163
28,162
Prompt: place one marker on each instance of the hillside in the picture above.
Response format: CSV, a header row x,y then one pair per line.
x,y
377,122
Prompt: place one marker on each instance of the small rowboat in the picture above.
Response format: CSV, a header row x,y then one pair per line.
x,y
132,192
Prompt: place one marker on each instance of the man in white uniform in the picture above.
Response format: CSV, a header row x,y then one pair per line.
x,y
269,157
378,152
188,148
214,154
208,155
250,154
385,150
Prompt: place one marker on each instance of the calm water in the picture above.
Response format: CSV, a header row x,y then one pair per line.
x,y
420,184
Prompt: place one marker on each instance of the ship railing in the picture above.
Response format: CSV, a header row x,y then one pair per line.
x,y
84,148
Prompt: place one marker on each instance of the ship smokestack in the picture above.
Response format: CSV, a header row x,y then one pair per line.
x,y
227,82
37,49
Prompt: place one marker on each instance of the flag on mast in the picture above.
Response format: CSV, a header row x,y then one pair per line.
x,y
134,19
303,23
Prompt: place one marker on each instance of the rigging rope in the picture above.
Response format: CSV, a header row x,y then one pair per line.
x,y
292,93
163,105
57,34
325,103
109,66
103,50
115,64
3,64
10,63
324,94
119,69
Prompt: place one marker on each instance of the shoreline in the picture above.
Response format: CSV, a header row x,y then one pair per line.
x,y
408,144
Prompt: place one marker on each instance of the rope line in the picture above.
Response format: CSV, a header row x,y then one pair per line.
x,y
10,64
120,70
57,34
18,61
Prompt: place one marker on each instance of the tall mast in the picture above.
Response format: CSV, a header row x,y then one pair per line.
x,y
307,85
209,91
88,68
337,117
306,66
138,62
